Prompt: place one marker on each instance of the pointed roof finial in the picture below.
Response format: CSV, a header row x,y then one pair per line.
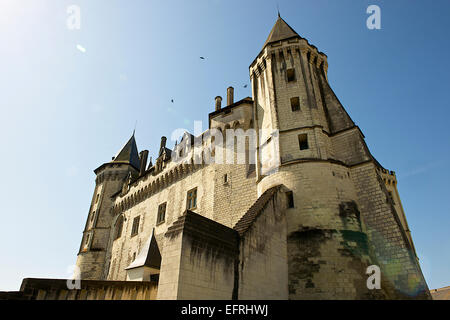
x,y
278,9
134,130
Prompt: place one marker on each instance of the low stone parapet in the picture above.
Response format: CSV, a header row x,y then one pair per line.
x,y
57,289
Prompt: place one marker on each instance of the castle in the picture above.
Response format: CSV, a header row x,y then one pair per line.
x,y
302,215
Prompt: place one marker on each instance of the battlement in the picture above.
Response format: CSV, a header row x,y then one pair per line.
x,y
284,49
388,172
388,176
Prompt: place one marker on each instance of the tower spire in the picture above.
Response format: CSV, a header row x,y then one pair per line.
x,y
129,153
280,31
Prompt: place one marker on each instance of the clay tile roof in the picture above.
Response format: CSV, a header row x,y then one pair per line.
x,y
247,219
280,31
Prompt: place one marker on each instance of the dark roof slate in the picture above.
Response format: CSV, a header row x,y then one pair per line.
x,y
128,154
250,216
280,31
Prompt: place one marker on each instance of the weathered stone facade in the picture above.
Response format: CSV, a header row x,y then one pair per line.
x,y
307,229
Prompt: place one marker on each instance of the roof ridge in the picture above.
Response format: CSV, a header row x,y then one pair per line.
x,y
254,211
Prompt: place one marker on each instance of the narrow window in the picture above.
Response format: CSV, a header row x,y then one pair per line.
x,y
290,199
192,199
135,228
96,198
161,213
154,277
225,178
87,240
290,73
92,215
303,141
295,104
119,227
134,256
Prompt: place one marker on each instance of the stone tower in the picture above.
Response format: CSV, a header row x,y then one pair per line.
x,y
340,218
112,178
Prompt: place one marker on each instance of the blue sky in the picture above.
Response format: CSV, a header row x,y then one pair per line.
x,y
65,112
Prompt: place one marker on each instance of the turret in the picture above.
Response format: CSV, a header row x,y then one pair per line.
x,y
110,178
296,109
292,95
340,212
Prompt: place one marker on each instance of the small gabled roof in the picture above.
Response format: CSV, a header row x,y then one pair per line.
x,y
149,256
128,154
280,31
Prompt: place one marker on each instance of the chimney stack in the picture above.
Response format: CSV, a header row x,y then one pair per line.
x,y
143,155
230,96
218,103
163,143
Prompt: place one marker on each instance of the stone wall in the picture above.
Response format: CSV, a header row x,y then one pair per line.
x,y
175,195
327,245
199,260
392,249
96,235
263,256
56,289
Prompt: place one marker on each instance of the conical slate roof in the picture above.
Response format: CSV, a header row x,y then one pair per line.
x,y
128,154
280,31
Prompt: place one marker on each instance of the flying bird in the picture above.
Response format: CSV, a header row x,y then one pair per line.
x,y
203,58
245,86
171,100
